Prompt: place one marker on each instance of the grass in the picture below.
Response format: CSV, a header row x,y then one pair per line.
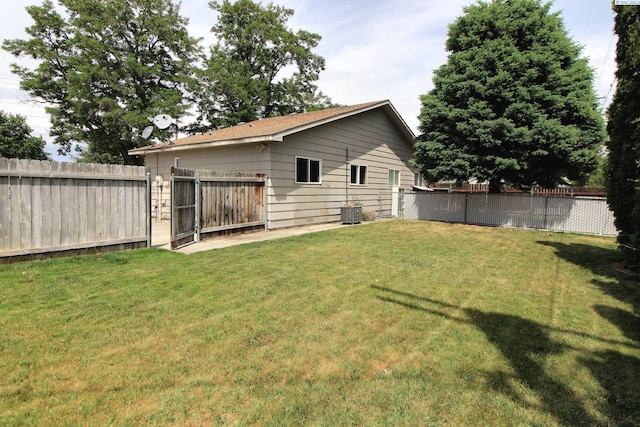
x,y
390,323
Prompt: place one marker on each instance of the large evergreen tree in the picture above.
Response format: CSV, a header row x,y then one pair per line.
x,y
105,66
623,172
16,141
513,104
258,68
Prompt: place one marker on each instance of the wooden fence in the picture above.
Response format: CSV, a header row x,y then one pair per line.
x,y
51,208
210,203
232,200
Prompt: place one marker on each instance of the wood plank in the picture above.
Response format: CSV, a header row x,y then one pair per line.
x,y
41,215
25,207
67,201
89,211
6,229
121,205
21,252
114,208
55,206
83,190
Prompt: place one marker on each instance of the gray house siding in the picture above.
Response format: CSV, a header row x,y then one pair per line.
x,y
371,137
244,158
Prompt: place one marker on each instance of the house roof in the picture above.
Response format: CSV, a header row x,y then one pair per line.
x,y
274,128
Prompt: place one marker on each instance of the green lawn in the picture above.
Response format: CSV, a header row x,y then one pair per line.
x,y
389,323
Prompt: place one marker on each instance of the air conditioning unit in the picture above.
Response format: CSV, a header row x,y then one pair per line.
x,y
351,214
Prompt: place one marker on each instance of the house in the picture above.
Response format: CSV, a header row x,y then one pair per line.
x,y
315,162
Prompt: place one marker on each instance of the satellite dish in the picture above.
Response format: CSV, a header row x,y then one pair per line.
x,y
146,133
162,121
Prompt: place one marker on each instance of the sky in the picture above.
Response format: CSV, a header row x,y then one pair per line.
x,y
374,49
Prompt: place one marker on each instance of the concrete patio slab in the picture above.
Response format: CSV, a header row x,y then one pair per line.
x,y
161,234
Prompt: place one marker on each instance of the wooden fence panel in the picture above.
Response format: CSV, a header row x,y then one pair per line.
x,y
51,207
183,207
231,201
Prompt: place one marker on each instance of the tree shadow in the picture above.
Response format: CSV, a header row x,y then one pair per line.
x,y
624,285
526,344
596,259
619,375
628,323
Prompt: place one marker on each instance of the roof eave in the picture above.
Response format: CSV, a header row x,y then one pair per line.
x,y
390,109
196,145
402,125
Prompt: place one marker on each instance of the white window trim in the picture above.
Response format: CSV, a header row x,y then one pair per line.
x,y
366,174
309,160
394,184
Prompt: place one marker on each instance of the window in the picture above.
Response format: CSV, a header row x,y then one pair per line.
x,y
358,174
308,171
394,177
418,179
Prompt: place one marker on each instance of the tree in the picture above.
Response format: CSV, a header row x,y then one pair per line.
x,y
16,141
258,68
623,127
597,178
514,103
104,68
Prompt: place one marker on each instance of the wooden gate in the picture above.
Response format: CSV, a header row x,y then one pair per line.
x,y
214,203
184,207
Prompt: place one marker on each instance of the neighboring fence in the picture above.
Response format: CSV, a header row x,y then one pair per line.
x,y
51,208
451,187
570,214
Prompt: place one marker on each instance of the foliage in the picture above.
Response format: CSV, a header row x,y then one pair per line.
x,y
413,327
104,68
623,173
258,67
514,103
597,179
16,141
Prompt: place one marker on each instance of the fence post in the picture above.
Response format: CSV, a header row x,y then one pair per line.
x,y
266,202
546,212
149,209
198,207
466,206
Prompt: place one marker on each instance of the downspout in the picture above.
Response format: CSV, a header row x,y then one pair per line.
x,y
346,175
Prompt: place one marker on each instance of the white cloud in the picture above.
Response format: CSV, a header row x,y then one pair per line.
x,y
374,49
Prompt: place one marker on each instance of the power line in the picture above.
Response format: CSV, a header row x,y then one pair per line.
x,y
604,103
606,56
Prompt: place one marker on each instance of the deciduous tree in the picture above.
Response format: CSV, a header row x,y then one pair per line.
x,y
16,141
514,103
258,68
104,67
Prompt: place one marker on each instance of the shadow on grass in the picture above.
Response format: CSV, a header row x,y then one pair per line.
x,y
526,344
622,285
617,373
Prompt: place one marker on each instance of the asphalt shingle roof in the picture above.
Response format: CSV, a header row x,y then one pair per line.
x,y
272,128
